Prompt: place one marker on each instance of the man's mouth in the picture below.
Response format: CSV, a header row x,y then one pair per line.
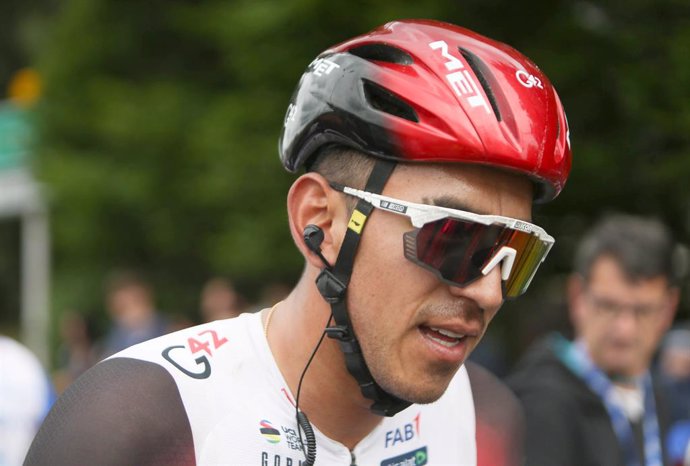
x,y
442,336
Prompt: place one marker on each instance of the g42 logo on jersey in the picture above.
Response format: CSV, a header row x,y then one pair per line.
x,y
207,341
463,83
403,434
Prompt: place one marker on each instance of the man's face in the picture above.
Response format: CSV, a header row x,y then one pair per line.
x,y
403,315
130,305
621,321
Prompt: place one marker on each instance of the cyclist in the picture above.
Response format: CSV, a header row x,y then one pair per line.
x,y
425,146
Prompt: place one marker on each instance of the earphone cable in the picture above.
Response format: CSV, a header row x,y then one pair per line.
x,y
303,423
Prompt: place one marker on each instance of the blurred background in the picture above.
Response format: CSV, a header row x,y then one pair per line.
x,y
141,136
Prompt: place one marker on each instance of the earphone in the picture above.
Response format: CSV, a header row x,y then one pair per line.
x,y
313,237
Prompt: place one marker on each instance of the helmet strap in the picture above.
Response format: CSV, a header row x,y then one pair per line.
x,y
332,284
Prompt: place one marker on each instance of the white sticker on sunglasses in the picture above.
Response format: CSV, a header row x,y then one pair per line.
x,y
392,206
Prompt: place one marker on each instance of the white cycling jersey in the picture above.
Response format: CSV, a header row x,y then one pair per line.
x,y
241,410
213,395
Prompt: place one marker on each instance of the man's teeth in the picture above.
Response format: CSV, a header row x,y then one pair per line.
x,y
447,333
451,338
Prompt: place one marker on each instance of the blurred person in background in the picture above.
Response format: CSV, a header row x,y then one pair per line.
x,y
674,369
678,443
270,294
492,355
593,401
77,350
425,147
131,306
220,300
26,395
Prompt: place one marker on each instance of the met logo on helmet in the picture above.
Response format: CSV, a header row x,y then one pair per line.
x,y
460,79
322,66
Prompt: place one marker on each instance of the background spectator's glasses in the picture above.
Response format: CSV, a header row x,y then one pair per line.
x,y
611,308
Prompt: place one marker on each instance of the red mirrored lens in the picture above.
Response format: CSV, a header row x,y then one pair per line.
x,y
458,250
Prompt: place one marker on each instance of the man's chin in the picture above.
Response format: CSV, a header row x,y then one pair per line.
x,y
419,397
428,391
618,371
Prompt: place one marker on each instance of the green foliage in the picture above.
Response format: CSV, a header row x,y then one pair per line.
x,y
160,122
159,131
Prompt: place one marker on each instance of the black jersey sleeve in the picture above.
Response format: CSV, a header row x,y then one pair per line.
x,y
121,412
500,422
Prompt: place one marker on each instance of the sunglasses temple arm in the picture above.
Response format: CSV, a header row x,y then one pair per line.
x,y
376,200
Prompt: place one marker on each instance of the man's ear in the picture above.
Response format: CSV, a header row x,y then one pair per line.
x,y
311,201
672,307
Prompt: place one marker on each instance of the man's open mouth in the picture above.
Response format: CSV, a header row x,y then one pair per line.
x,y
442,336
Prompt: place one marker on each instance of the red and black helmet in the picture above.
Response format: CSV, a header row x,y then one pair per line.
x,y
428,91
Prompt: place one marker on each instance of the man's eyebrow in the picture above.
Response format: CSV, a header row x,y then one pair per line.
x,y
450,202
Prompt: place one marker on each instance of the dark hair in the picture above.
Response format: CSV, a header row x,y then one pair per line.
x,y
643,247
342,165
120,279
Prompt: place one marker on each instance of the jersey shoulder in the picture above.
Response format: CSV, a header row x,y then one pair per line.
x,y
121,411
203,352
499,419
141,405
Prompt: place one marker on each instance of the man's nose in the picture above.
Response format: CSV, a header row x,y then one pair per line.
x,y
626,321
486,291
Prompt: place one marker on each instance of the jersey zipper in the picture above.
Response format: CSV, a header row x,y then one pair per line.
x,y
353,459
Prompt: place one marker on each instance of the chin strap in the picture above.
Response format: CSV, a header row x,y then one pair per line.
x,y
332,284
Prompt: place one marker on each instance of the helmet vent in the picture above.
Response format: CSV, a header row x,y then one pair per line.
x,y
385,101
382,52
483,75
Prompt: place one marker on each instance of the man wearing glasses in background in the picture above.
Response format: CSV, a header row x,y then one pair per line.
x,y
425,146
593,401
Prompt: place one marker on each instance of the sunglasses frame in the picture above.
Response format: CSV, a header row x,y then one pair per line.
x,y
422,214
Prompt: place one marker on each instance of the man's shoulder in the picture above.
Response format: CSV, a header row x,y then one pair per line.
x,y
550,393
496,406
499,419
193,352
489,390
542,381
123,409
539,369
477,386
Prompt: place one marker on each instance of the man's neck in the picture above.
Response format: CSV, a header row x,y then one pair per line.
x,y
628,379
630,399
329,396
624,381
